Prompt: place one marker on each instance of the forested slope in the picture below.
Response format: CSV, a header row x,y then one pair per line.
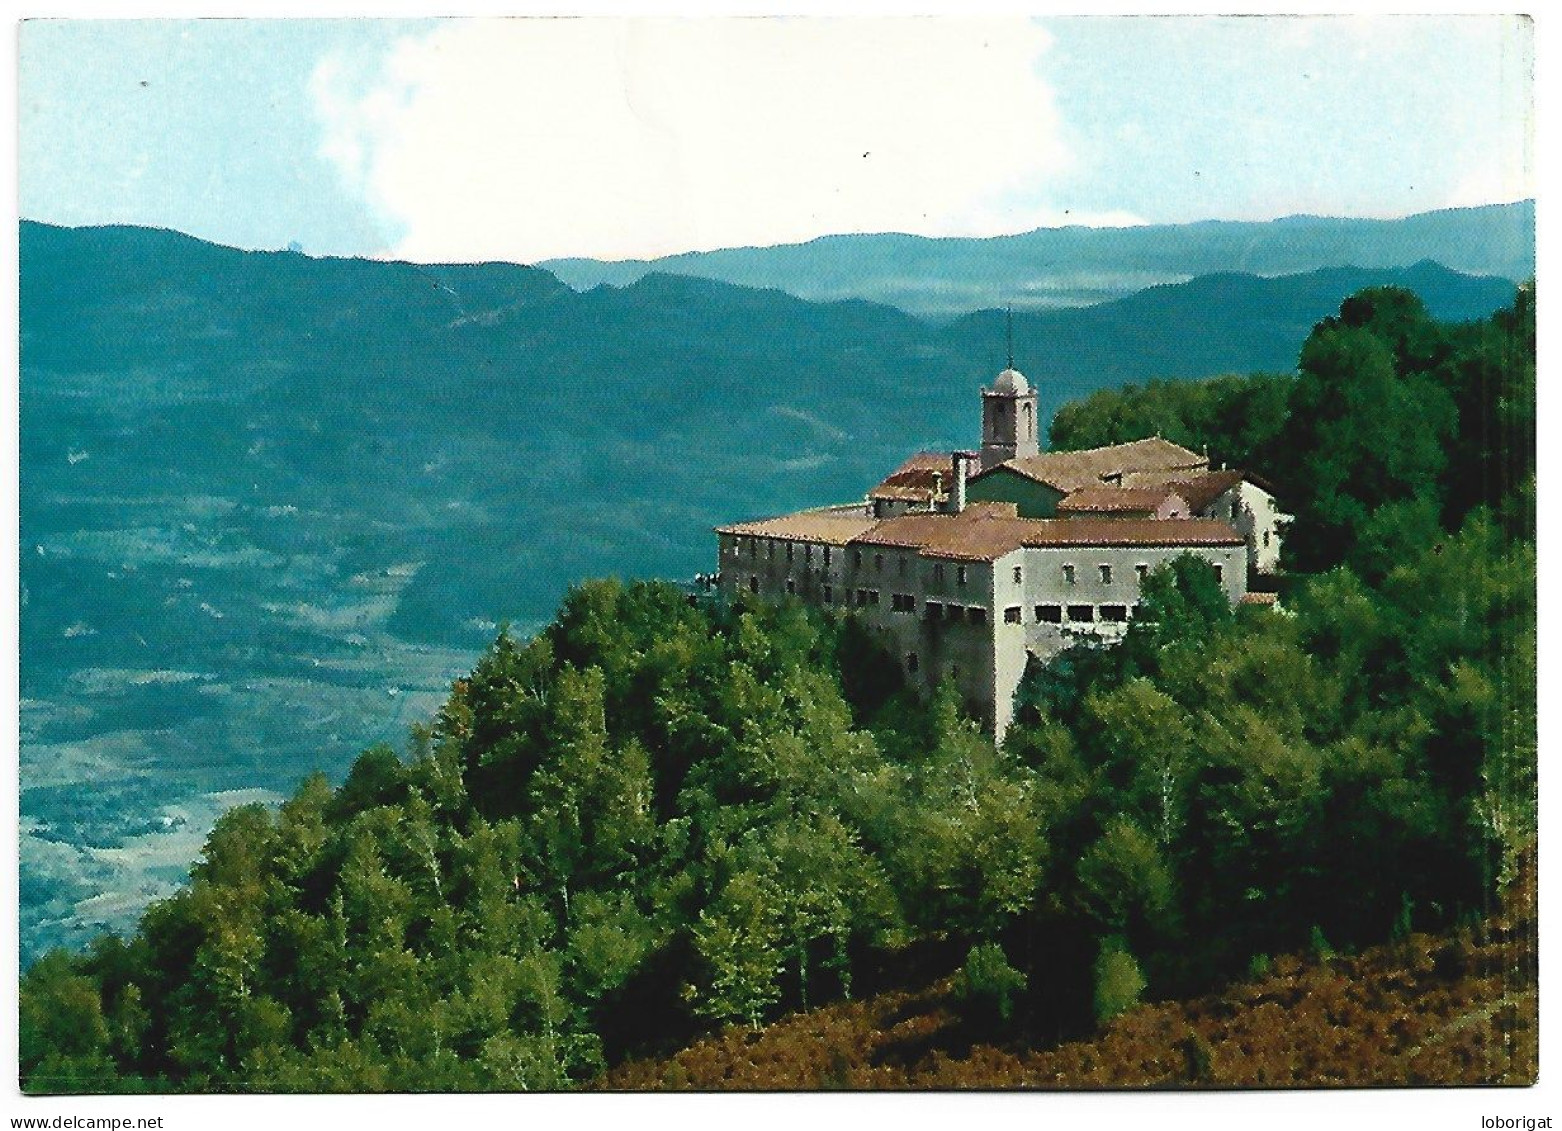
x,y
652,820
1455,1008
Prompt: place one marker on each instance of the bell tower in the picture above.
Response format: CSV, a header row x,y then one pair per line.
x,y
1008,419
1008,414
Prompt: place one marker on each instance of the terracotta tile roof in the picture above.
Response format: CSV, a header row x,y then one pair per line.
x,y
1070,471
986,534
833,526
919,491
993,508
1199,490
921,478
1161,532
973,535
1119,500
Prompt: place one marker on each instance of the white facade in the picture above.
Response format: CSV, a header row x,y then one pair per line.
x,y
974,622
1253,513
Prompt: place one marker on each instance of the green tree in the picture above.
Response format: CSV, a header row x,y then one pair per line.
x,y
1180,600
988,984
967,847
1369,426
1147,738
589,806
1118,981
63,1036
1125,880
738,940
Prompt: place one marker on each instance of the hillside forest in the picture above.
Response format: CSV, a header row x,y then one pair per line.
x,y
654,821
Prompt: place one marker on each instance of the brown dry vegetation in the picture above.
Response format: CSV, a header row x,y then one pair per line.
x,y
1459,1008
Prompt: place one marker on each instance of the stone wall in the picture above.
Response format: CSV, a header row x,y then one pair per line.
x,y
972,622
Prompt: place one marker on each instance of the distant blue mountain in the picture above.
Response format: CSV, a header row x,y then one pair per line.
x,y
1213,324
271,505
1076,266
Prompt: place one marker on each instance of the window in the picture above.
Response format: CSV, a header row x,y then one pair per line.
x,y
770,549
827,555
1220,572
935,609
873,596
1068,574
753,547
1017,575
808,552
791,586
1266,539
960,575
911,661
1106,574
857,558
976,615
1143,570
1011,615
1049,614
753,584
862,597
900,565
1117,614
878,563
1085,614
938,572
903,602
828,594
1233,508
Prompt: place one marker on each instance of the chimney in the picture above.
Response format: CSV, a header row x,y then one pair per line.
x,y
938,489
962,462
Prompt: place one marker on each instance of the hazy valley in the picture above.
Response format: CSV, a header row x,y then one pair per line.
x,y
271,506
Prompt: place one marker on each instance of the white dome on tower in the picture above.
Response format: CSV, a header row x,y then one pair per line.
x,y
1012,382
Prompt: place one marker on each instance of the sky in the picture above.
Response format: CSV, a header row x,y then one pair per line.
x,y
527,139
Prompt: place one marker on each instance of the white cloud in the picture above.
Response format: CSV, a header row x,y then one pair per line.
x,y
533,138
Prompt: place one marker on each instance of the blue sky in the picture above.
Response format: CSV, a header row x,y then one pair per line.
x,y
524,139
205,126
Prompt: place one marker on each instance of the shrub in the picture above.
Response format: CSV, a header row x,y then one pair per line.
x,y
1119,981
988,984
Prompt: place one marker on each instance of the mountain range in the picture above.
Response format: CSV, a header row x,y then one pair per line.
x,y
272,505
1077,266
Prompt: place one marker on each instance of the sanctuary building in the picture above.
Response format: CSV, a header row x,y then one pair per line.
x,y
971,562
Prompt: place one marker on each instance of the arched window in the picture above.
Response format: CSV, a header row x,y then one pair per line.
x,y
1030,424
